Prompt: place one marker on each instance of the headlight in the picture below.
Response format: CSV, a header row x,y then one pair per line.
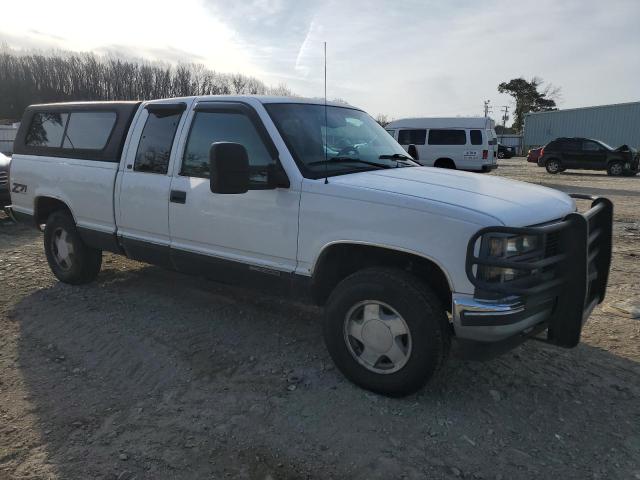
x,y
512,248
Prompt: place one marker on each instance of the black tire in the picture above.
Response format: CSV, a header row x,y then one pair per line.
x,y
615,169
500,155
83,262
446,163
553,166
422,313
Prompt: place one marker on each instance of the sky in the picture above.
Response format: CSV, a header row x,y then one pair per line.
x,y
400,58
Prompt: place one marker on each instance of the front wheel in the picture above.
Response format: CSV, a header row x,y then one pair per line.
x,y
70,259
615,169
386,331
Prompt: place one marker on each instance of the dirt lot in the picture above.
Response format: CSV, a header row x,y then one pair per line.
x,y
150,374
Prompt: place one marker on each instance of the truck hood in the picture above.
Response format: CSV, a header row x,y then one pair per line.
x,y
509,202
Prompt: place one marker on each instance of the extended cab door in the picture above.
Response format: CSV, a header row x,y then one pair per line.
x,y
143,200
256,230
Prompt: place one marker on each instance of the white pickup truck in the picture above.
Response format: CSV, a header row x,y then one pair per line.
x,y
315,201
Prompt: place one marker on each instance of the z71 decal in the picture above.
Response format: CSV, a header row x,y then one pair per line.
x,y
19,188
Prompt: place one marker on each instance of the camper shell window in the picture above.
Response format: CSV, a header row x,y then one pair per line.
x,y
84,131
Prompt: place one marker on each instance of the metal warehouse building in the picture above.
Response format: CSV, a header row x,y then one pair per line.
x,y
615,125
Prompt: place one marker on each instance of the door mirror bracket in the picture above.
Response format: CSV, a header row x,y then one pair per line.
x,y
277,177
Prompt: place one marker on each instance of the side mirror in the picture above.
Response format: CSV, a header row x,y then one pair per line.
x,y
228,168
413,151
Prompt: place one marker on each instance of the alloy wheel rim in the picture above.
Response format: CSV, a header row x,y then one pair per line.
x,y
616,169
377,337
62,249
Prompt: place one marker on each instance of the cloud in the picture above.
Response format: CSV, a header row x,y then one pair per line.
x,y
404,58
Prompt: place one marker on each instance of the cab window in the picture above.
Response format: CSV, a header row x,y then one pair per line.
x,y
154,149
211,127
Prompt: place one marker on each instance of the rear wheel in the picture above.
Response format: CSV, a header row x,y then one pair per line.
x,y
615,169
445,163
500,154
553,166
70,259
386,331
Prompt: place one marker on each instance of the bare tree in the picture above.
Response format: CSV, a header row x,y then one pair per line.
x,y
65,76
383,119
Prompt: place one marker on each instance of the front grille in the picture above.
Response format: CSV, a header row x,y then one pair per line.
x,y
4,178
551,248
552,244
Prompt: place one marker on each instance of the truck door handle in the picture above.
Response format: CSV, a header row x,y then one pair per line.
x,y
178,196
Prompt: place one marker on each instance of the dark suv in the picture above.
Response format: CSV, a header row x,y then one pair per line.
x,y
587,154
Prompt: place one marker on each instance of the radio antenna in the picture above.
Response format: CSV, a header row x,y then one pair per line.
x,y
326,162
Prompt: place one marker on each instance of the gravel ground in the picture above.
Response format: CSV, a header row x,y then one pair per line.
x,y
151,374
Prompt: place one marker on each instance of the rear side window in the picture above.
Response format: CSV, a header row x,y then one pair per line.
x,y
415,137
476,137
447,137
572,145
89,130
47,129
154,149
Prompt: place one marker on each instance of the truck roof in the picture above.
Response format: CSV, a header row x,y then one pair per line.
x,y
260,98
443,122
204,98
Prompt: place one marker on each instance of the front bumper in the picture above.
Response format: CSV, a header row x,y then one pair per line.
x,y
576,261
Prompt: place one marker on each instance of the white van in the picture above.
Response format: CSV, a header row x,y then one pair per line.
x,y
464,143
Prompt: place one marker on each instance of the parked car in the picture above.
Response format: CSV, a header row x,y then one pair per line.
x,y
5,196
454,143
314,202
505,152
533,155
588,154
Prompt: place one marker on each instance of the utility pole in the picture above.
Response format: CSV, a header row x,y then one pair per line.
x,y
487,107
505,116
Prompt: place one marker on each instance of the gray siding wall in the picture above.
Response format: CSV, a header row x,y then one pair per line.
x,y
613,124
7,136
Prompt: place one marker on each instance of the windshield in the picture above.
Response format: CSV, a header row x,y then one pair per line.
x,y
609,147
352,141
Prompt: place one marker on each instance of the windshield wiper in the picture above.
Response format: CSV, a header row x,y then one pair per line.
x,y
348,160
401,160
395,156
